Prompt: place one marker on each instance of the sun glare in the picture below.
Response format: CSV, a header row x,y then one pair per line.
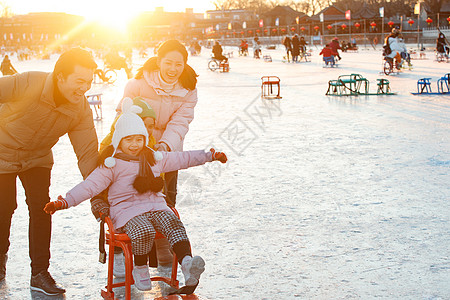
x,y
117,20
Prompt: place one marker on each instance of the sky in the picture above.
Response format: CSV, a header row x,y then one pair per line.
x,y
115,13
89,8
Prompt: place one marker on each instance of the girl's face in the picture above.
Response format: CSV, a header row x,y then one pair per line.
x,y
171,66
149,124
132,144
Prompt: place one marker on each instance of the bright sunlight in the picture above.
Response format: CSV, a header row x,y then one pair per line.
x,y
115,13
116,19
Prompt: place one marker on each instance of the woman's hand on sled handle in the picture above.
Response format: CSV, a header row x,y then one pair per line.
x,y
53,206
220,156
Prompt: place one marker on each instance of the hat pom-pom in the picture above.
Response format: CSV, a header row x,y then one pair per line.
x,y
157,155
110,162
128,107
126,104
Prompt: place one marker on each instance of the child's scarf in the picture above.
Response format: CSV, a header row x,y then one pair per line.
x,y
145,181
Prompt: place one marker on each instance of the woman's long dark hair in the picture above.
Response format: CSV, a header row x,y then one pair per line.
x,y
188,78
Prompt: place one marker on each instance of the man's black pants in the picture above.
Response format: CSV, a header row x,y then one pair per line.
x,y
36,182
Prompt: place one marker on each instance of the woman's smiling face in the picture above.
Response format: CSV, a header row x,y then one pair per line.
x,y
171,66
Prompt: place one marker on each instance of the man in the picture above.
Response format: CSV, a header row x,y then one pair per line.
x,y
36,109
217,52
287,42
335,46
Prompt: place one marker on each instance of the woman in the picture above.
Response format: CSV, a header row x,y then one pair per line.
x,y
168,84
441,44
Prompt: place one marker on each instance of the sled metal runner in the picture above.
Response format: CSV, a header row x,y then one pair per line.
x,y
180,297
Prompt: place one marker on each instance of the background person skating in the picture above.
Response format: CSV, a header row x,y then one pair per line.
x,y
442,44
334,44
256,47
287,42
328,55
302,44
392,41
6,67
295,48
218,52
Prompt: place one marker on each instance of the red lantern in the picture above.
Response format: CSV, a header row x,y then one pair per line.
x,y
292,28
390,23
316,27
329,27
257,30
274,30
242,32
448,19
234,32
302,28
411,22
357,25
283,29
373,24
250,31
265,30
343,26
429,21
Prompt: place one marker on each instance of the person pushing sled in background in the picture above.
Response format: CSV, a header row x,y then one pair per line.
x,y
328,55
137,205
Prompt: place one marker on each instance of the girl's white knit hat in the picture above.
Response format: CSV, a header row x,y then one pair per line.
x,y
129,123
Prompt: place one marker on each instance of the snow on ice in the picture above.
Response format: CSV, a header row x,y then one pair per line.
x,y
323,197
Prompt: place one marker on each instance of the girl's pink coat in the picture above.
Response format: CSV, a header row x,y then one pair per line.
x,y
125,202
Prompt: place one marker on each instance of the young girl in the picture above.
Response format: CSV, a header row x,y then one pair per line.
x,y
99,203
137,206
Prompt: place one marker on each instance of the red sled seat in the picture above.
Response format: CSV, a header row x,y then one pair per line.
x,y
114,239
267,87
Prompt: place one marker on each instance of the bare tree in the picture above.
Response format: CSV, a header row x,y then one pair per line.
x,y
309,7
257,6
434,5
5,10
223,4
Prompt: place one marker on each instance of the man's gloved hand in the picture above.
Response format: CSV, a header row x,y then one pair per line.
x,y
53,206
99,207
220,156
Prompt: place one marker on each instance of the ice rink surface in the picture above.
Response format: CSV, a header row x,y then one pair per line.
x,y
323,197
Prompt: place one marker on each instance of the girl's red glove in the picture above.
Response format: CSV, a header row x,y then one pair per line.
x,y
220,156
53,206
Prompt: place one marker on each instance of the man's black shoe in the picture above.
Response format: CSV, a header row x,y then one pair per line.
x,y
43,282
3,259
